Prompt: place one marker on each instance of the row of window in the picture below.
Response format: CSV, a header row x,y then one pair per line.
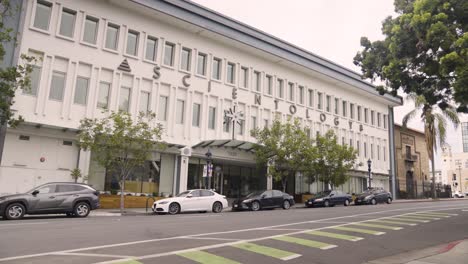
x,y
323,102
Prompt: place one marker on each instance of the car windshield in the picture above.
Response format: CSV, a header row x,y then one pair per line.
x,y
183,194
369,191
254,194
323,194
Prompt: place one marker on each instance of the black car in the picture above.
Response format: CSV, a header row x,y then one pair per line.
x,y
263,200
329,198
73,199
373,196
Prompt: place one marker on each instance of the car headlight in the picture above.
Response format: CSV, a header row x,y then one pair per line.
x,y
367,197
2,199
163,202
247,201
319,200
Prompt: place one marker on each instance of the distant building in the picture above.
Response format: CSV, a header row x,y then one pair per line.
x,y
412,162
464,129
455,169
440,178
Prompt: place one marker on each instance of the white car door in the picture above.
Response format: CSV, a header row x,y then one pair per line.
x,y
192,202
207,199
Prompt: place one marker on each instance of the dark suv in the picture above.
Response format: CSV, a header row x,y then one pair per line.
x,y
73,199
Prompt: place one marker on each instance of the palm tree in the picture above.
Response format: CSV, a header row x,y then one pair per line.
x,y
435,125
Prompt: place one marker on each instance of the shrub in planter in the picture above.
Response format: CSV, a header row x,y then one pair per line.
x,y
143,195
155,194
114,192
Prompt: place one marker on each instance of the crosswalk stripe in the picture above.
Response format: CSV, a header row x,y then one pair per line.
x,y
206,258
431,215
334,235
421,217
305,242
358,230
438,213
392,222
402,218
129,262
378,226
267,251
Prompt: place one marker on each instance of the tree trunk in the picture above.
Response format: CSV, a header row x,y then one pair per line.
x,y
122,197
434,193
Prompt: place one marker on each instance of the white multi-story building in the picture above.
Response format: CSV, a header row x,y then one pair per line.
x,y
188,64
455,169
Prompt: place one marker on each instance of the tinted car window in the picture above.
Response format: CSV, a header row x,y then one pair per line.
x,y
47,189
69,188
277,193
195,193
267,194
206,193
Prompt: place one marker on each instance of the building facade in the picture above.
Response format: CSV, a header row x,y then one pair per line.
x,y
455,169
189,65
412,162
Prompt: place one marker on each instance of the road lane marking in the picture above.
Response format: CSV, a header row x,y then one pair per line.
x,y
392,222
395,228
213,238
431,215
421,217
129,262
21,224
267,251
94,255
439,213
286,229
305,242
403,218
439,208
206,258
358,230
335,235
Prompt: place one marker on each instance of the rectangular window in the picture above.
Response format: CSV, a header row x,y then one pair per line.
x,y
328,103
42,16
151,48
169,54
337,106
112,36
372,150
230,76
372,117
342,141
132,42
266,123
378,119
384,121
240,127
366,115
124,100
291,91
57,86
244,77
185,58
81,90
345,107
90,30
279,86
301,94
35,80
319,100
253,124
358,147
359,113
216,73
144,102
351,111
384,153
163,108
180,112
103,98
201,64
365,149
226,125
196,115
310,97
67,23
269,81
378,152
257,81
212,117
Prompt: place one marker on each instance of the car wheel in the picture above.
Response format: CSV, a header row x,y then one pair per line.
x,y
217,207
81,209
456,195
15,211
286,205
346,202
389,200
174,208
373,201
255,206
326,203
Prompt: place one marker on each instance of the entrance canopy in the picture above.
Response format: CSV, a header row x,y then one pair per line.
x,y
227,143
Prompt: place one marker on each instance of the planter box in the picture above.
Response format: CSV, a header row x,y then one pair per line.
x,y
113,201
301,198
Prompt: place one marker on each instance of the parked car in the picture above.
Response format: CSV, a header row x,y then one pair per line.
x,y
264,200
373,196
73,199
191,201
329,198
458,194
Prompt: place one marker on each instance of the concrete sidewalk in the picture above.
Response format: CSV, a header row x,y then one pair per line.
x,y
429,200
454,253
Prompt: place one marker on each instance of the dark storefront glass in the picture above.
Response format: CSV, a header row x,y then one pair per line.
x,y
143,179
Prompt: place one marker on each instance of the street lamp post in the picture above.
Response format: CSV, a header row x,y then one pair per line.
x,y
208,168
460,176
369,164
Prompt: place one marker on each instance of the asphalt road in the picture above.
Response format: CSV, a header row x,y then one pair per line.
x,y
353,234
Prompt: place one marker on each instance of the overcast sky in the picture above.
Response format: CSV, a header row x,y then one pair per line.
x,y
329,28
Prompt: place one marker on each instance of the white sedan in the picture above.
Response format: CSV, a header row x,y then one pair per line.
x,y
192,201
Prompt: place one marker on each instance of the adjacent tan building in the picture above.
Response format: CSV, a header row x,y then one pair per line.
x,y
412,162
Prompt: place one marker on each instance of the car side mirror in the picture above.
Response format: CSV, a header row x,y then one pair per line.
x,y
263,196
331,195
189,195
35,192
